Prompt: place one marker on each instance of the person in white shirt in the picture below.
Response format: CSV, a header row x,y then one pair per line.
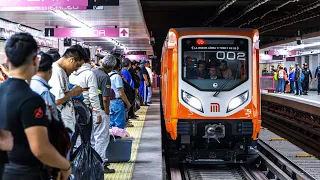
x,y
71,60
151,81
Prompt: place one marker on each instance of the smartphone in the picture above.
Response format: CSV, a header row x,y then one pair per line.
x,y
87,88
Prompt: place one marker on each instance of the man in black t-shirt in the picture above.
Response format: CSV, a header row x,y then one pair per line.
x,y
23,114
144,82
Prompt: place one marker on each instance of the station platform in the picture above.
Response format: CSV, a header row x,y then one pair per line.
x,y
146,156
307,103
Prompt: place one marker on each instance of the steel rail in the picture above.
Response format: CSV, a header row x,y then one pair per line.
x,y
285,166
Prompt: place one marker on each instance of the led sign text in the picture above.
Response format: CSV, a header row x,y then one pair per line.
x,y
24,3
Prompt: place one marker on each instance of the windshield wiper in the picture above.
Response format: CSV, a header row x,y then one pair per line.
x,y
224,85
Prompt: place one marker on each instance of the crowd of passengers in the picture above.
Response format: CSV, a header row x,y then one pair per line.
x,y
296,80
211,70
39,89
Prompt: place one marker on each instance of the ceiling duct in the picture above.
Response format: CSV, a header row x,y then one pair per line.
x,y
222,8
265,14
248,9
302,10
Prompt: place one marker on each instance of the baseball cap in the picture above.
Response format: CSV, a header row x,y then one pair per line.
x,y
45,62
143,61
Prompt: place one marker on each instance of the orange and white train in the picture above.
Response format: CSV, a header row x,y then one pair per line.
x,y
210,95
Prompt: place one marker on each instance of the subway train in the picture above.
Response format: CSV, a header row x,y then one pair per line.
x,y
210,95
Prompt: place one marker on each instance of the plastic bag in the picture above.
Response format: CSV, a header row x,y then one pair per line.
x,y
86,164
115,131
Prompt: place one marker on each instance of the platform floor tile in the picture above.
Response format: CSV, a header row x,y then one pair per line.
x,y
124,170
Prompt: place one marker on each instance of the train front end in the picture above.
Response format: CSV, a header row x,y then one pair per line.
x,y
215,117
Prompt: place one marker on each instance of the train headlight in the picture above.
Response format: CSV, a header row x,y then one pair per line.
x,y
238,101
192,101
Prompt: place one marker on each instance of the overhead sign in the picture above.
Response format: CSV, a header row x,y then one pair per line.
x,y
103,2
23,3
43,8
123,32
87,32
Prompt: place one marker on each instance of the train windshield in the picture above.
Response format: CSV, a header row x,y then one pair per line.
x,y
218,64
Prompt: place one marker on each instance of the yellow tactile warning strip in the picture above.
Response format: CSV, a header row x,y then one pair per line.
x,y
303,155
278,139
124,170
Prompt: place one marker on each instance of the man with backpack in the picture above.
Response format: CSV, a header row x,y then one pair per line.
x,y
305,82
118,98
317,77
104,89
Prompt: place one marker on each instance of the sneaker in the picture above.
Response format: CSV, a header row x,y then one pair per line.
x,y
108,170
129,124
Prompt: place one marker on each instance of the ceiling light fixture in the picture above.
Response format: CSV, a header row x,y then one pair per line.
x,y
70,18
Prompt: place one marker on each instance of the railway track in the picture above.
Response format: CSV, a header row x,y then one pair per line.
x,y
270,165
302,129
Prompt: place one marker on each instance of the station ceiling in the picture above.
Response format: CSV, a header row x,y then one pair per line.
x,y
275,19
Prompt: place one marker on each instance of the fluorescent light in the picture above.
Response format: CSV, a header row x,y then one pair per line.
x,y
72,19
302,46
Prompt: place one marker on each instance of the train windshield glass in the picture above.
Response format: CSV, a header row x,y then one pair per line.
x,y
219,64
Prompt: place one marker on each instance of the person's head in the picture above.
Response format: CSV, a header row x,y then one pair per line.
x,y
21,51
73,58
117,67
201,65
291,66
189,61
138,69
134,64
148,64
45,66
223,65
88,55
55,54
297,65
305,65
144,62
213,71
108,63
126,63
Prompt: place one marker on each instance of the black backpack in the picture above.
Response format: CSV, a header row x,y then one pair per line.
x,y
128,90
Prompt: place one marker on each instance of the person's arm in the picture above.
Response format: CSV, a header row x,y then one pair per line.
x,y
310,74
119,86
32,114
93,94
316,73
106,92
6,140
56,82
124,97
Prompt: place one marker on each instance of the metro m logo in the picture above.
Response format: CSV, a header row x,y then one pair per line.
x,y
215,107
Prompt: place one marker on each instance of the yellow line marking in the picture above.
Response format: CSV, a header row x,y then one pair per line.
x,y
278,139
303,155
124,170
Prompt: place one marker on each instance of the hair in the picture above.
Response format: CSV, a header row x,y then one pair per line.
x,y
138,68
223,61
109,61
118,64
45,63
76,52
21,48
54,54
126,62
201,62
87,50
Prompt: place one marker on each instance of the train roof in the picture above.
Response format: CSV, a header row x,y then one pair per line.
x,y
191,30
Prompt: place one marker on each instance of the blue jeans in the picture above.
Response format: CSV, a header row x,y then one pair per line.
x,y
298,87
280,87
117,114
143,90
291,86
